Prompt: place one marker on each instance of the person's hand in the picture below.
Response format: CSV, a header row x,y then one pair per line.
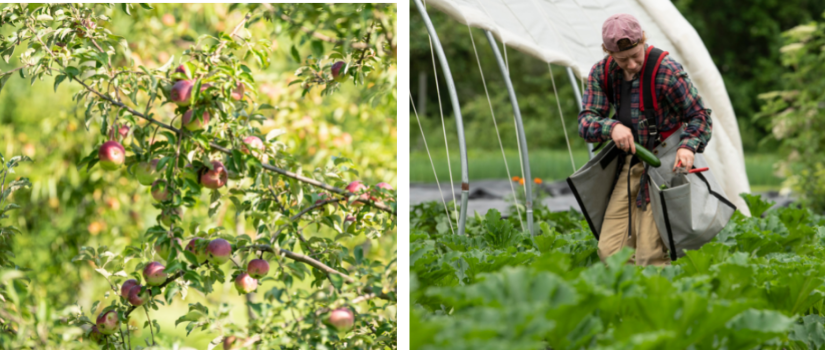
x,y
623,138
685,157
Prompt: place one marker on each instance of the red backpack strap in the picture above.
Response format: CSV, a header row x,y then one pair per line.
x,y
648,103
647,83
606,81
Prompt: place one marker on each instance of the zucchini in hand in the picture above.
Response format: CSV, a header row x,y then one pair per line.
x,y
647,156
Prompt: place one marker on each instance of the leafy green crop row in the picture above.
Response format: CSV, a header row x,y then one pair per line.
x,y
759,284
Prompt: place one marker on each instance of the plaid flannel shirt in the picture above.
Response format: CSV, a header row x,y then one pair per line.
x,y
679,102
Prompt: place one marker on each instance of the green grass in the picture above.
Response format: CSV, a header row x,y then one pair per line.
x,y
550,165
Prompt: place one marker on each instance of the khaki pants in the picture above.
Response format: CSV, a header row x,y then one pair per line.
x,y
644,235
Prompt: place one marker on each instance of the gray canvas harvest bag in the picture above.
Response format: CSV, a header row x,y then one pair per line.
x,y
688,213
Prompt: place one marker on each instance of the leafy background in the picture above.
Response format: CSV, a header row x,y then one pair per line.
x,y
66,208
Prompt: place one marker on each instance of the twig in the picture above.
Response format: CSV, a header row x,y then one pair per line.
x,y
364,51
16,69
150,324
322,37
217,147
234,31
302,258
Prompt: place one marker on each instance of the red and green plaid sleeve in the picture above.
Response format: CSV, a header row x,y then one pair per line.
x,y
594,124
685,101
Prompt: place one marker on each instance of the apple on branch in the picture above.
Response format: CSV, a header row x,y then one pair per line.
x,y
111,155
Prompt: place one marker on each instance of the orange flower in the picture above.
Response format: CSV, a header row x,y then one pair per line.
x,y
537,180
521,182
515,178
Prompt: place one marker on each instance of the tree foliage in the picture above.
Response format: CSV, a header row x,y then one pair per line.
x,y
795,113
303,221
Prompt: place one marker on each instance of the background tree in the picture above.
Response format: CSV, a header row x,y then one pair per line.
x,y
259,70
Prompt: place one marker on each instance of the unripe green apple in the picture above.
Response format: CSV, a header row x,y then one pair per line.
x,y
167,214
145,172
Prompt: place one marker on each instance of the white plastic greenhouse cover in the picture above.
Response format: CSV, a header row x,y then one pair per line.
x,y
568,33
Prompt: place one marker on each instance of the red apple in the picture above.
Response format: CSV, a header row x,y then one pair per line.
x,y
252,142
342,319
108,322
350,218
124,289
237,94
160,191
181,92
229,342
138,295
382,185
337,73
193,123
257,268
218,251
245,283
154,274
185,70
111,155
355,187
195,247
123,131
215,178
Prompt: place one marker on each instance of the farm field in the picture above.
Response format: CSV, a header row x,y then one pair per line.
x,y
758,284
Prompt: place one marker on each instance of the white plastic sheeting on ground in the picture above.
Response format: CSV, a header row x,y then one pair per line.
x,y
568,33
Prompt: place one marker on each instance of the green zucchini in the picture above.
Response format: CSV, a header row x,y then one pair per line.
x,y
647,156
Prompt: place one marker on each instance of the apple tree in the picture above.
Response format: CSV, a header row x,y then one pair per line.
x,y
190,131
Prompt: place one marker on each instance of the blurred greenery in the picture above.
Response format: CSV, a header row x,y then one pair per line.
x,y
794,113
743,41
66,208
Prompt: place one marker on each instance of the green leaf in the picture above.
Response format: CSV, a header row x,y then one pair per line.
x,y
359,254
3,81
764,321
126,8
57,80
146,6
337,280
295,55
72,72
7,53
